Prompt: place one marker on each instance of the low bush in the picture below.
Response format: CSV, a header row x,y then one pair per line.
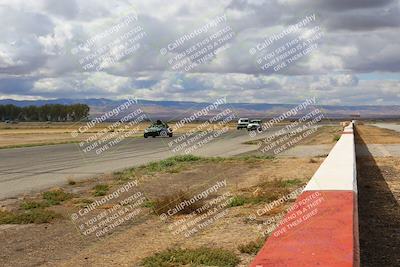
x,y
71,182
100,190
192,257
56,197
269,191
237,201
252,247
28,216
149,204
28,205
170,164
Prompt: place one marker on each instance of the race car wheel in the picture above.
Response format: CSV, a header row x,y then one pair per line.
x,y
163,133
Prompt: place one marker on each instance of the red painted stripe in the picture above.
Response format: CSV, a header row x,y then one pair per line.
x,y
317,232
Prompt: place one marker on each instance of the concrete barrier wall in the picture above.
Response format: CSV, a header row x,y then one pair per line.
x,y
321,228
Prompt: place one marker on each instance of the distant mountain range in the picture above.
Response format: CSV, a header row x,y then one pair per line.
x,y
174,110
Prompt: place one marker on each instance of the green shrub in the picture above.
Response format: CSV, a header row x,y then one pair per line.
x,y
192,257
149,204
169,163
28,205
29,216
237,201
56,197
100,190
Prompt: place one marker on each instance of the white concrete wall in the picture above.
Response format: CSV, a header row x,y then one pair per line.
x,y
338,171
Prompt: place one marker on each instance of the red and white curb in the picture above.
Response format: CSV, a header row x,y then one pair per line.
x,y
321,228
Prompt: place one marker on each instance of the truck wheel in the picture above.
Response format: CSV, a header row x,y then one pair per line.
x,y
145,136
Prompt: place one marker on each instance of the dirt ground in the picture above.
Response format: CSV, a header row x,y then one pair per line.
x,y
43,133
60,244
374,135
39,133
36,133
325,135
379,200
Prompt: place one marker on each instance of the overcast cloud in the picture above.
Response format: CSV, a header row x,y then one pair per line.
x,y
356,62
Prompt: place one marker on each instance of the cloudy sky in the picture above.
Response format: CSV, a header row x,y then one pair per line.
x,y
46,44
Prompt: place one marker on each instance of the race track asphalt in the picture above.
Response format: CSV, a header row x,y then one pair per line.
x,y
23,170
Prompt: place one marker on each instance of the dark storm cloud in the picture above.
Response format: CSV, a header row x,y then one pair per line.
x,y
144,83
365,19
16,86
343,5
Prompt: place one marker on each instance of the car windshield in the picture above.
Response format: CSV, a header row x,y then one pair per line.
x,y
159,125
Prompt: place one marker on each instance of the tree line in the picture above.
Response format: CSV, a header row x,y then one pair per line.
x,y
50,112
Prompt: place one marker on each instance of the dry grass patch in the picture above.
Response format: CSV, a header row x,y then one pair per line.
x,y
36,215
252,247
100,190
34,211
266,192
324,135
166,203
169,165
192,257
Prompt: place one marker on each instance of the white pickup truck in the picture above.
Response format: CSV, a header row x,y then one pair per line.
x,y
242,123
254,125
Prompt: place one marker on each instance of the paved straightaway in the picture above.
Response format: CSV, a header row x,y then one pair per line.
x,y
23,170
390,126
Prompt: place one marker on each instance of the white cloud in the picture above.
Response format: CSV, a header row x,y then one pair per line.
x,y
360,37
